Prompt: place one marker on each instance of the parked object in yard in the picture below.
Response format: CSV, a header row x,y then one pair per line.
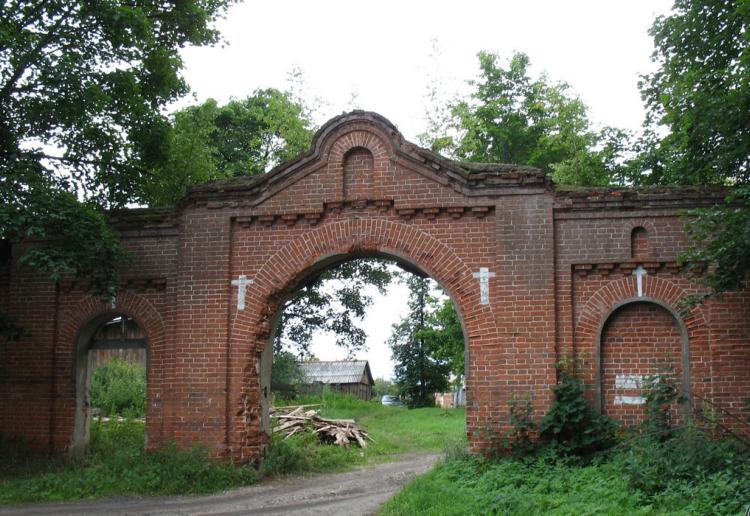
x,y
391,401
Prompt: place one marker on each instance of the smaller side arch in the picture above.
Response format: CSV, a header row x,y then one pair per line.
x,y
618,293
82,321
684,344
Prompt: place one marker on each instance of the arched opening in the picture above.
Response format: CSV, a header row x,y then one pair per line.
x,y
112,358
343,373
639,338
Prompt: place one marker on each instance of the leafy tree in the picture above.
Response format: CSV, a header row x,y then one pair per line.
x,y
512,118
701,94
445,335
242,138
721,237
286,373
419,372
332,301
81,86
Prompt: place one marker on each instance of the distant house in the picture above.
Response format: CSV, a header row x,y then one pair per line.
x,y
348,376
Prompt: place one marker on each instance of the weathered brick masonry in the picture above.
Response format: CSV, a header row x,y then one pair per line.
x,y
563,271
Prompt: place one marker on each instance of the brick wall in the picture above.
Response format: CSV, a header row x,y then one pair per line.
x,y
562,283
638,340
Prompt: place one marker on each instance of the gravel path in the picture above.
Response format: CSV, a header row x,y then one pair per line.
x,y
362,491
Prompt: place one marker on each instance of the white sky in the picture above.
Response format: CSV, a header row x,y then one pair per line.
x,y
380,53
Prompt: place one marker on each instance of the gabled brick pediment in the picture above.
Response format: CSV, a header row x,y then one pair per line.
x,y
361,156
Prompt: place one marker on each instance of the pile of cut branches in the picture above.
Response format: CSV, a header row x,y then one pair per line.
x,y
295,419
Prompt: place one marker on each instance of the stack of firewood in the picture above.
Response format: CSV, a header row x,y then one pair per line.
x,y
289,421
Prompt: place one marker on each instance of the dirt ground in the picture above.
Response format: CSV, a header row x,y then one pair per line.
x,y
358,492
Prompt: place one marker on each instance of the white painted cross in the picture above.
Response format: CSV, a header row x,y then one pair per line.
x,y
639,273
484,276
241,285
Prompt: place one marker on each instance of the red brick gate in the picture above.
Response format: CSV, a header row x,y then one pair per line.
x,y
534,272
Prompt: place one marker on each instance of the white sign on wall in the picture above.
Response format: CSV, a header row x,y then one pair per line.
x,y
628,381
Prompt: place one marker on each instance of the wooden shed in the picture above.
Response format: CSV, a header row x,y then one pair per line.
x,y
120,337
347,376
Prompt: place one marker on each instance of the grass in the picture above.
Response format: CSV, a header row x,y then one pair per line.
x,y
395,431
685,475
115,465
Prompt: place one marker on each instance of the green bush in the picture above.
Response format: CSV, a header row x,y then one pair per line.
x,y
118,388
333,400
661,394
286,375
523,425
687,474
303,453
688,459
571,425
116,464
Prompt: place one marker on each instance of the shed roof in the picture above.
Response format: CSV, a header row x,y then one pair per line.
x,y
342,371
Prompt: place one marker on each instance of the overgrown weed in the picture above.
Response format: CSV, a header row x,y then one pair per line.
x,y
116,464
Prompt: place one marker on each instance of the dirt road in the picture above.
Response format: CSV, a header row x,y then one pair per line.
x,y
357,492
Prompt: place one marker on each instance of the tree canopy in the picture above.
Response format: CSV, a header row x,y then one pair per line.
x,y
241,138
445,336
514,118
334,301
81,87
701,94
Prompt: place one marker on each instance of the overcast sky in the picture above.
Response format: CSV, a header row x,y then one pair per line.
x,y
381,54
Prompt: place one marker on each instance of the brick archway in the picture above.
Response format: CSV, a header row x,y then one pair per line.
x,y
80,322
617,294
317,249
534,270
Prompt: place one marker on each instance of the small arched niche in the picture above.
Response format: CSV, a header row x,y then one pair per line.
x,y
104,338
639,245
358,169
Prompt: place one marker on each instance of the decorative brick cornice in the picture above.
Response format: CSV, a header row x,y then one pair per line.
x,y
380,205
626,268
569,200
131,284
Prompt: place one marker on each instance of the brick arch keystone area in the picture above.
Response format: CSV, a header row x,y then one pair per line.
x,y
252,327
657,291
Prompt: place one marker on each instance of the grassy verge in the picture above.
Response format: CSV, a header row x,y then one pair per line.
x,y
685,475
395,430
115,465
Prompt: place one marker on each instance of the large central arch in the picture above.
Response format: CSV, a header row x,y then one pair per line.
x,y
317,249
